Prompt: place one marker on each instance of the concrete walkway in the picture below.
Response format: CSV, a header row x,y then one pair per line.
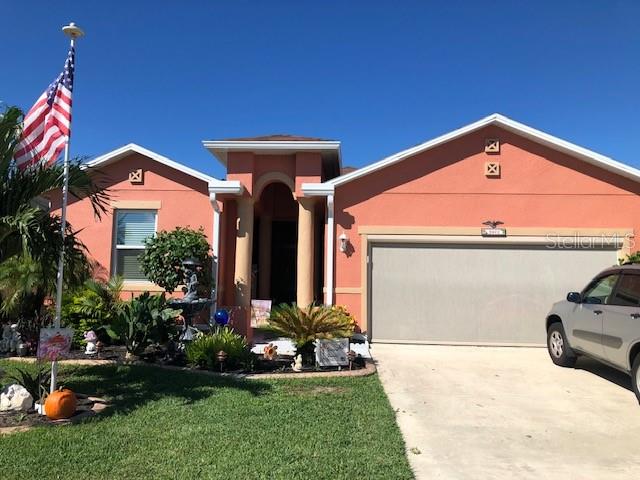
x,y
509,413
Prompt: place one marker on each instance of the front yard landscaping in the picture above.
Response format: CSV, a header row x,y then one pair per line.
x,y
165,424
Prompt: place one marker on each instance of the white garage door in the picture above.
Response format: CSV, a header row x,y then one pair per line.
x,y
472,293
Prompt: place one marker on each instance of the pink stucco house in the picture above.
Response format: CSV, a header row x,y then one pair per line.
x,y
466,238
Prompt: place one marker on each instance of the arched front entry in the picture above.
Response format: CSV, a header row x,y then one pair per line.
x,y
272,231
275,246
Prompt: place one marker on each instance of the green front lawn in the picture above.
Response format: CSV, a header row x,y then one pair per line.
x,y
166,424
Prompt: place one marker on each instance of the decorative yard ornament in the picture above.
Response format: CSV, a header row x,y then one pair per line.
x,y
15,338
493,223
5,343
22,349
190,304
191,267
493,229
91,338
270,352
296,366
60,404
221,317
332,352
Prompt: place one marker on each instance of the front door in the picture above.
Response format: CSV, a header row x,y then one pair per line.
x,y
284,246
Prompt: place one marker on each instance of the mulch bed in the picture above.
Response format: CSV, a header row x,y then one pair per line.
x,y
108,353
11,422
22,419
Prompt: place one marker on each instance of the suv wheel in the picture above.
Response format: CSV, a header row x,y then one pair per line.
x,y
558,347
635,376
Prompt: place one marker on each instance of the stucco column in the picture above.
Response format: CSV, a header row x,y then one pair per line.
x,y
304,277
264,262
244,244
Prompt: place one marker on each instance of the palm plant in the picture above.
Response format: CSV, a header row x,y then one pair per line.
x,y
30,237
305,325
94,306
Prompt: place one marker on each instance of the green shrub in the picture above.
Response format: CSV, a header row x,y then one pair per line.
x,y
203,350
95,307
162,259
144,320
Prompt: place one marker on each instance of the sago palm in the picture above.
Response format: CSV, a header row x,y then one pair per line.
x,y
304,325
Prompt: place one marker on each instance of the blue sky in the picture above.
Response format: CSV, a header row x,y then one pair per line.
x,y
379,76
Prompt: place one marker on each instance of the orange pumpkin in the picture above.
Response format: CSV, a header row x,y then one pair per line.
x,y
60,404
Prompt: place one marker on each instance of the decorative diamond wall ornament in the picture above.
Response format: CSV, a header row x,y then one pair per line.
x,y
136,176
492,169
491,145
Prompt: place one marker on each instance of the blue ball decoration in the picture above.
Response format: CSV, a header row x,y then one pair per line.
x,y
221,317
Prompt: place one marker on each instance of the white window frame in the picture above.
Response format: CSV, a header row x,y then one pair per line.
x,y
115,247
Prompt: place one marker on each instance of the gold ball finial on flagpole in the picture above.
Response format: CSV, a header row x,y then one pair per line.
x,y
72,31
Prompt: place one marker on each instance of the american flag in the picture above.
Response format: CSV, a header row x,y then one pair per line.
x,y
46,127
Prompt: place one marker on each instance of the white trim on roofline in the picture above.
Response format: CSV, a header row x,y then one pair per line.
x,y
119,153
220,148
232,187
496,119
317,189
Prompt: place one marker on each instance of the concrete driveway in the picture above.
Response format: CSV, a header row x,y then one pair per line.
x,y
486,412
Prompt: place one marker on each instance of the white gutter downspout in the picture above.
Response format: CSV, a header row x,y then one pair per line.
x,y
330,251
215,249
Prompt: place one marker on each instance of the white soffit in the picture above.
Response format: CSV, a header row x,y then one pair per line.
x,y
220,148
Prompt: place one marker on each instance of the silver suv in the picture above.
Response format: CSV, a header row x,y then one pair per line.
x,y
602,321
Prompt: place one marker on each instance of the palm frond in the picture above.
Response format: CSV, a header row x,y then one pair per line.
x,y
305,325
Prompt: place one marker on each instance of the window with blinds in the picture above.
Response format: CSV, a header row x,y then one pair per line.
x,y
133,227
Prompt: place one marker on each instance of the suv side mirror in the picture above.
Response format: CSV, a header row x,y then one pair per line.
x,y
574,297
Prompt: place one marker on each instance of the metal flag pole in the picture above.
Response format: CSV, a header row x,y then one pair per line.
x,y
73,32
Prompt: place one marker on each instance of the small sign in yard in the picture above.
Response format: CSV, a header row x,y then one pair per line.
x,y
54,343
260,311
332,353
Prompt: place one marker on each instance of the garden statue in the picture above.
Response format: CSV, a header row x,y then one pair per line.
x,y
7,334
15,338
91,338
296,366
191,267
22,349
190,304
